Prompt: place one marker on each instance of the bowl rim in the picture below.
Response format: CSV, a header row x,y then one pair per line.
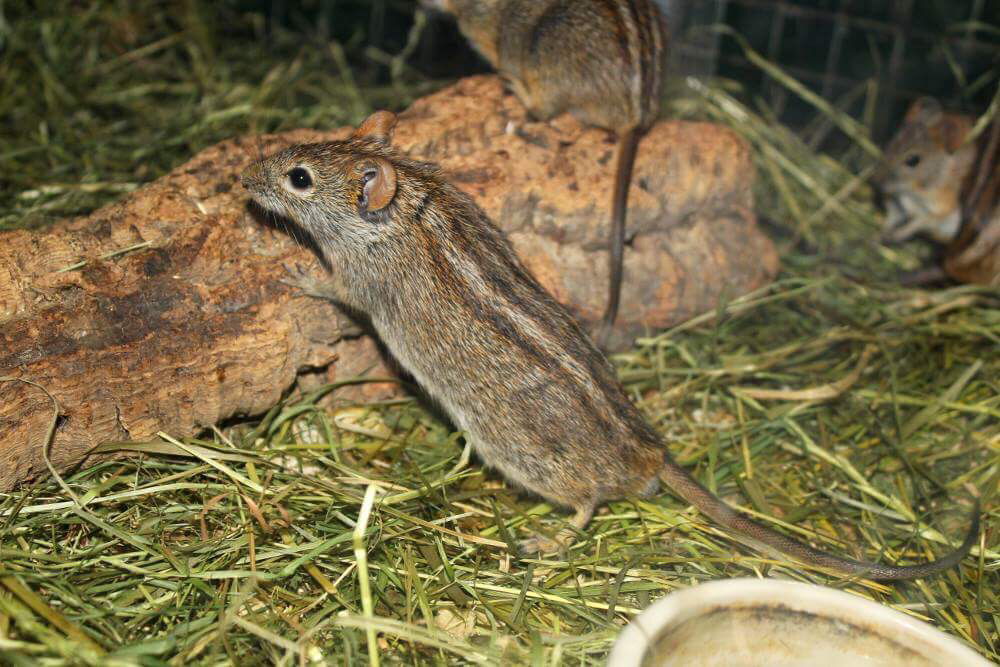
x,y
633,642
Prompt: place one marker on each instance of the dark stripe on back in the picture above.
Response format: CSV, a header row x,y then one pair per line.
x,y
447,275
651,53
620,27
546,24
421,210
505,328
550,318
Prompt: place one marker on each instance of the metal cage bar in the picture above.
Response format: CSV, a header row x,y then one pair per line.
x,y
899,48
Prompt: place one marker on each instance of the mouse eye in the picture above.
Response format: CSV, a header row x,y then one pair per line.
x,y
300,179
912,160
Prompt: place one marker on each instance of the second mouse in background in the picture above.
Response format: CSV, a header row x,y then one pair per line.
x,y
937,184
601,60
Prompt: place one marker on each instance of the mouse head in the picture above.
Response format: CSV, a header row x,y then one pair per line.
x,y
927,136
339,191
922,171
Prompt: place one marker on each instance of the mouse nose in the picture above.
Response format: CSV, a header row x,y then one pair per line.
x,y
252,177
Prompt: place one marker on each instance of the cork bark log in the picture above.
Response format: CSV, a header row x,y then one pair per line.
x,y
169,310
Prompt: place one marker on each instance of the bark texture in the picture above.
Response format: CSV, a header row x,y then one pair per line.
x,y
168,310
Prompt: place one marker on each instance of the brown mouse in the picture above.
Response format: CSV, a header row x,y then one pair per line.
x,y
602,60
974,255
936,183
451,301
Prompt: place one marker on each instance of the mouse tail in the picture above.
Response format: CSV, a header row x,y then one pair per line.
x,y
687,487
628,144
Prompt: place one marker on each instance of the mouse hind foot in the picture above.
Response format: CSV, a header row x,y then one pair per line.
x,y
542,544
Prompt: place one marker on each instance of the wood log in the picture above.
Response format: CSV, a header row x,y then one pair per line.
x,y
169,310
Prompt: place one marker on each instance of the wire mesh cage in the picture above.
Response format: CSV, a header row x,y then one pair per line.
x,y
871,58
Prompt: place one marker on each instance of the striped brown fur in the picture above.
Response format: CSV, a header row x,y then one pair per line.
x,y
974,255
455,306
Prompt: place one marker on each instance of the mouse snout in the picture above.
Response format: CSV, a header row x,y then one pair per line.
x,y
253,177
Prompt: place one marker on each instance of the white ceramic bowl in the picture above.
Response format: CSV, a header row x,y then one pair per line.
x,y
774,623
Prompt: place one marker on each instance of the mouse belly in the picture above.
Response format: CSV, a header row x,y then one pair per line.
x,y
559,455
554,430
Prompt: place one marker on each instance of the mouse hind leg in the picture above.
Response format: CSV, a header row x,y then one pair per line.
x,y
542,96
541,544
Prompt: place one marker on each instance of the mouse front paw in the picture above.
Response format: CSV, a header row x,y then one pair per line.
x,y
302,279
318,287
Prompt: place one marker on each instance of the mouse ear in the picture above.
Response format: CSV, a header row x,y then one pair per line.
x,y
952,131
377,126
925,111
378,179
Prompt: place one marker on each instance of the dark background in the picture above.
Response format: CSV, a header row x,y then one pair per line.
x,y
945,48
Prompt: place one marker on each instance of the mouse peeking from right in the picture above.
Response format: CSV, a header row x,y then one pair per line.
x,y
938,184
451,301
